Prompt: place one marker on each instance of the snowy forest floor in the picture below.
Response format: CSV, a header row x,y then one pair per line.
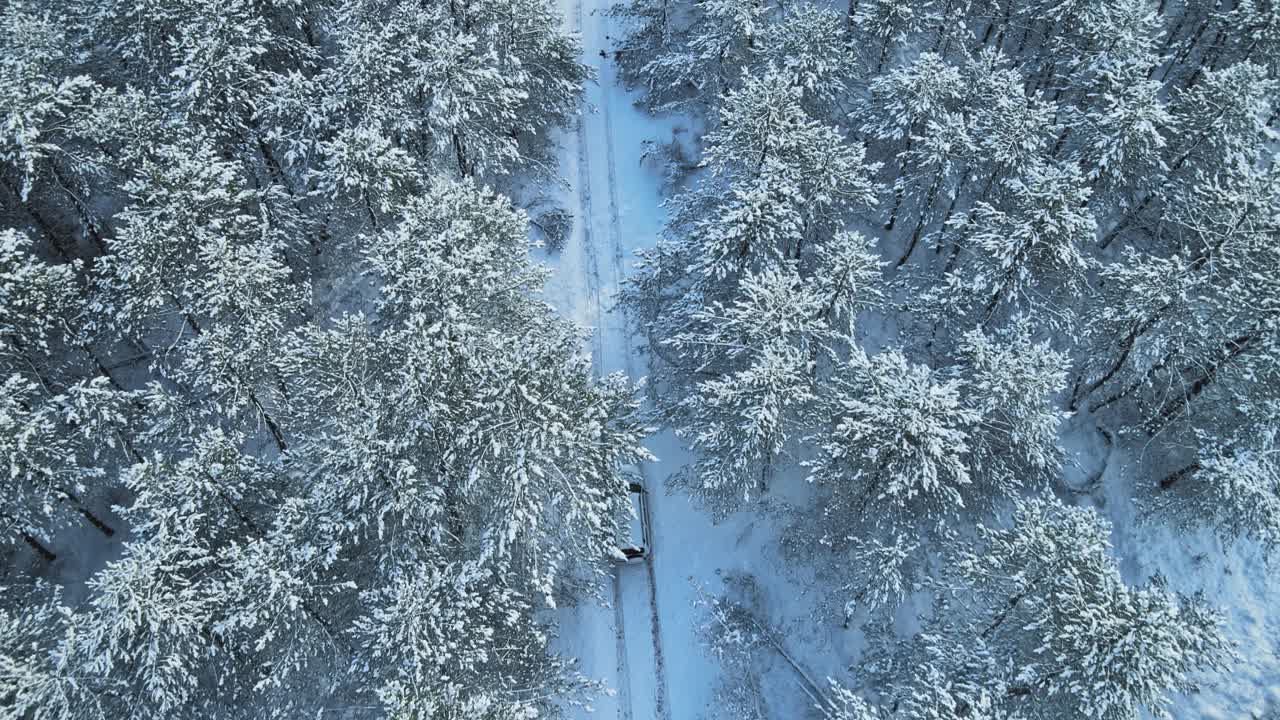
x,y
646,644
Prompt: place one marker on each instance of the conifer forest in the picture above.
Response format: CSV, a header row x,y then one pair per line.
x,y
640,359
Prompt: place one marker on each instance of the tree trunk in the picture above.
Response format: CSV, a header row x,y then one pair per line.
x,y
270,422
97,522
460,151
884,53
893,212
924,210
943,22
82,211
1062,141
1004,25
39,547
1172,478
1126,347
42,224
1171,410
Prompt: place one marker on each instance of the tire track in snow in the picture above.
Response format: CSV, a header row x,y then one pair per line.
x,y
624,670
592,265
619,275
586,217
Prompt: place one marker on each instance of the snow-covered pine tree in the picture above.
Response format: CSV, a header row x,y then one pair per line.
x,y
651,33
708,56
937,156
363,172
1011,381
464,86
847,705
211,63
809,43
886,25
456,256
457,637
882,571
758,359
40,96
846,276
41,680
779,182
195,602
1125,126
1019,568
1048,576
1222,121
148,630
1010,126
1232,486
904,98
765,134
37,300
1024,252
1118,111
1141,645
1258,37
956,676
1202,319
941,672
469,413
56,447
997,131
952,23
1033,620
1101,38
1221,118
893,447
1209,35
903,101
214,304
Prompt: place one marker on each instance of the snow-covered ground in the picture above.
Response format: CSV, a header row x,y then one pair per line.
x,y
1234,577
645,644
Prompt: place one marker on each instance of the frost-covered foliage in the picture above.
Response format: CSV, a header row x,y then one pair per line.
x,y
311,510
1232,487
36,300
473,82
1034,621
1020,251
759,278
1077,201
1012,381
267,337
41,94
54,448
897,444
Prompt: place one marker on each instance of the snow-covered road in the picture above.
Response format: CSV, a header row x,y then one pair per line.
x,y
622,644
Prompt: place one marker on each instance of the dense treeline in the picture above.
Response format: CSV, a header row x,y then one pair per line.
x,y
921,236
255,292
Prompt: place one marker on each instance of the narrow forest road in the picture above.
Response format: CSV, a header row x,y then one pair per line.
x,y
623,644
598,253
